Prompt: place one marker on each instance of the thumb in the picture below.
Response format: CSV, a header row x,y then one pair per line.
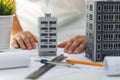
x,y
62,45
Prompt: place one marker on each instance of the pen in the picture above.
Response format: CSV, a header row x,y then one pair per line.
x,y
84,62
44,61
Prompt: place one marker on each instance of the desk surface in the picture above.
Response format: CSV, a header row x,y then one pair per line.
x,y
57,73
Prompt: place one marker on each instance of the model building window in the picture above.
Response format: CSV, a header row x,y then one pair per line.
x,y
116,18
119,17
117,27
52,46
91,17
98,37
99,8
111,7
90,26
119,46
91,7
44,34
119,36
105,37
44,28
105,27
111,17
105,17
52,28
98,56
52,22
52,40
52,34
99,17
105,46
110,36
104,8
99,27
116,8
115,36
44,40
115,46
111,27
119,7
44,46
44,22
98,46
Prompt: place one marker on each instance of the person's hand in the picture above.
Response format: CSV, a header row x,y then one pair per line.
x,y
75,45
24,40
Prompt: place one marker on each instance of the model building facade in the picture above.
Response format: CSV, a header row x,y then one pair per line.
x,y
103,29
47,35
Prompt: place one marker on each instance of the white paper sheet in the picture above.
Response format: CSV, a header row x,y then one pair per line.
x,y
13,59
112,66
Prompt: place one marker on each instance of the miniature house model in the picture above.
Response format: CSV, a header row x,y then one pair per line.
x,y
103,29
47,35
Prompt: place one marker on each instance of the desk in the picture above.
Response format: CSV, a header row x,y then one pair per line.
x,y
58,72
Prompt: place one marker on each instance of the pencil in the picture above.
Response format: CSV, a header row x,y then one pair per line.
x,y
84,62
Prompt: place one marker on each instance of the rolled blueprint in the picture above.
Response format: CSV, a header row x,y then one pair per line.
x,y
14,60
112,66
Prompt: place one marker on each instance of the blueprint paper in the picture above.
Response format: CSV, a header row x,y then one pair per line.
x,y
13,60
112,66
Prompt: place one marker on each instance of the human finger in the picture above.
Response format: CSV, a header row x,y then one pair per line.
x,y
74,46
80,49
14,43
26,41
68,44
62,45
31,39
20,42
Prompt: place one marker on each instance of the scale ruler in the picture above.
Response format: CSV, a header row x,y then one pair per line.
x,y
42,70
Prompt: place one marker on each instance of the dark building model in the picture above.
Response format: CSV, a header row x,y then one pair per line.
x,y
103,29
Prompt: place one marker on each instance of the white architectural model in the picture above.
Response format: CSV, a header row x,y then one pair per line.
x,y
47,35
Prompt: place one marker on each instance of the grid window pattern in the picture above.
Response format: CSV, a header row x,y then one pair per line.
x,y
111,8
111,37
111,46
111,27
111,17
